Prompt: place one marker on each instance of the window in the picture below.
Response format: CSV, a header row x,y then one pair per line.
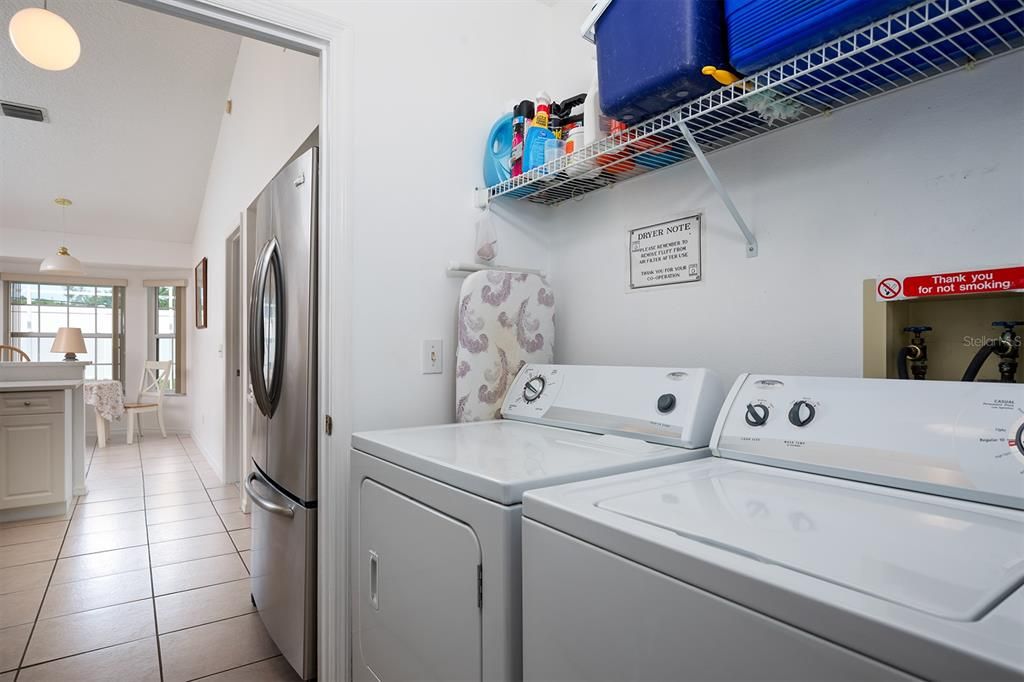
x,y
37,310
167,326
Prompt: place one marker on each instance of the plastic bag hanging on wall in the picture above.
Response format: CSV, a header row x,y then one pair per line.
x,y
486,238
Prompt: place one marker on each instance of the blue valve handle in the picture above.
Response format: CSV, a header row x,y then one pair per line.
x,y
917,329
1007,325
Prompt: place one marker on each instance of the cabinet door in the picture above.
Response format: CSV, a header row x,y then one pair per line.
x,y
418,615
32,466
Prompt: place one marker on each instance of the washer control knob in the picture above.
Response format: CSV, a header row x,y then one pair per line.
x,y
1020,438
533,389
801,414
757,414
666,403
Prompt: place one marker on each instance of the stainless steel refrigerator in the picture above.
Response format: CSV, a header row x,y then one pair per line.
x,y
282,441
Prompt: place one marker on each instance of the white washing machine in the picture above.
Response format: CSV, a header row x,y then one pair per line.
x,y
436,571
846,529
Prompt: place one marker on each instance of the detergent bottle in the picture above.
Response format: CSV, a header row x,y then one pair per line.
x,y
538,133
498,155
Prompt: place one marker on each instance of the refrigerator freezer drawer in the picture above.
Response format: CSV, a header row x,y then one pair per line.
x,y
284,572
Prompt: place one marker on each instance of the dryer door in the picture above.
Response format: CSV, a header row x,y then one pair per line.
x,y
418,614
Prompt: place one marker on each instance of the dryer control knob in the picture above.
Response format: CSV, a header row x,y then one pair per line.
x,y
801,414
666,403
533,389
757,414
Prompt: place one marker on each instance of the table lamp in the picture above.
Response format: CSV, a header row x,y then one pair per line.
x,y
69,341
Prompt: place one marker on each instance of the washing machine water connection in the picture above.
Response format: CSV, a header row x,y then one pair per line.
x,y
1006,347
915,352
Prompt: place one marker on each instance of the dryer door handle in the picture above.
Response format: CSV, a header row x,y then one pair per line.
x,y
374,580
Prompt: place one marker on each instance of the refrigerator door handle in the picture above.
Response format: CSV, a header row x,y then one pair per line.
x,y
266,396
264,503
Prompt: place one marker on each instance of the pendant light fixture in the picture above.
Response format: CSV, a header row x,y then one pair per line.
x,y
45,39
61,263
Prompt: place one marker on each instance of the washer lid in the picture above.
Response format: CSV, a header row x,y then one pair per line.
x,y
948,558
502,459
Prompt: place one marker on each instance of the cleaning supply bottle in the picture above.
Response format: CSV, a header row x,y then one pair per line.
x,y
521,113
596,124
537,134
497,155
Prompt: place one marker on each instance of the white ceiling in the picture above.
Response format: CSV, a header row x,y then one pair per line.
x,y
132,126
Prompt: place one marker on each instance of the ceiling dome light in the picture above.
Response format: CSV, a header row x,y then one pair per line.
x,y
45,39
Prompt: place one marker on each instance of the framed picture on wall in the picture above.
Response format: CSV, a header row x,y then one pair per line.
x,y
201,295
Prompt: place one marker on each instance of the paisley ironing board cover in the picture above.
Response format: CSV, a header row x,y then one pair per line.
x,y
506,319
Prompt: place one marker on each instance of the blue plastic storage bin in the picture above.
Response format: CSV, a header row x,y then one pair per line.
x,y
762,33
650,53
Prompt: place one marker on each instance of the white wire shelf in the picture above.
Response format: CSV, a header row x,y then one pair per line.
x,y
921,42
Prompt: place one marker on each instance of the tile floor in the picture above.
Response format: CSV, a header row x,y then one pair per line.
x,y
145,579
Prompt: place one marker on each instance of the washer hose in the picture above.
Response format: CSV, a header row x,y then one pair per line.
x,y
979,360
901,362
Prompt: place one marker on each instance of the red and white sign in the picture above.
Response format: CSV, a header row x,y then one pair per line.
x,y
991,280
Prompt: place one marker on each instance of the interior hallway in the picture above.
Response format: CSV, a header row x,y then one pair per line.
x,y
146,578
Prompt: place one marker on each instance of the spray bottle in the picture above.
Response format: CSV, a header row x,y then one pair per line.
x,y
537,134
521,113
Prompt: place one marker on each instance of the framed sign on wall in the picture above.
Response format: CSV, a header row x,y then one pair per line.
x,y
665,253
201,295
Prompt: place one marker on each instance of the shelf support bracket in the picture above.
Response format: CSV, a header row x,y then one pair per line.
x,y
481,197
717,184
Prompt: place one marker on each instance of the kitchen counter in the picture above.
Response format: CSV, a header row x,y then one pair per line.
x,y
42,438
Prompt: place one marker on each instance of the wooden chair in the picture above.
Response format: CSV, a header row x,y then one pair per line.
x,y
155,378
14,354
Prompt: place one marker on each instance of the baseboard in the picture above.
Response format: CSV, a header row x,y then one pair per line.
x,y
218,467
122,431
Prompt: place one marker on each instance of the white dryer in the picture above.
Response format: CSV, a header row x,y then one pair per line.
x,y
435,522
847,529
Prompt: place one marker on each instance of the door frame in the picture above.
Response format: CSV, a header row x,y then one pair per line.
x,y
233,335
312,32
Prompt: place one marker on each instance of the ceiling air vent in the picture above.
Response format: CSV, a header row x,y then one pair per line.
x,y
26,112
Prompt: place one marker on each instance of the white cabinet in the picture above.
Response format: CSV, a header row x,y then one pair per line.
x,y
34,468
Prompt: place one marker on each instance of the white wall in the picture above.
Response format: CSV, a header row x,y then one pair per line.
x,y
275,106
926,180
177,414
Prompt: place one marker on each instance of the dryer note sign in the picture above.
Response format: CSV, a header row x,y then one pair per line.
x,y
665,253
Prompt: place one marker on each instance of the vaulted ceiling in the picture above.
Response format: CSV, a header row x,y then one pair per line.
x,y
131,127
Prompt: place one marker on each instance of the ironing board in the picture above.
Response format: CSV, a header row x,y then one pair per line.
x,y
506,319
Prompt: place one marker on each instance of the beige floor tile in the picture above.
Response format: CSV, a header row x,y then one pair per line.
x,y
223,492
228,505
12,645
189,549
88,630
161,487
112,507
212,648
175,499
162,532
29,553
235,520
168,465
41,531
111,494
8,677
100,564
274,669
180,513
183,476
246,555
25,577
136,661
106,481
242,538
34,522
189,575
101,542
134,520
129,461
95,593
161,452
204,605
18,608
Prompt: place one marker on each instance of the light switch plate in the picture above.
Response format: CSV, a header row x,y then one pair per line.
x,y
432,357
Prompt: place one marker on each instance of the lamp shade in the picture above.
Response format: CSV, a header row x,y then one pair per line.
x,y
45,39
61,263
69,340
